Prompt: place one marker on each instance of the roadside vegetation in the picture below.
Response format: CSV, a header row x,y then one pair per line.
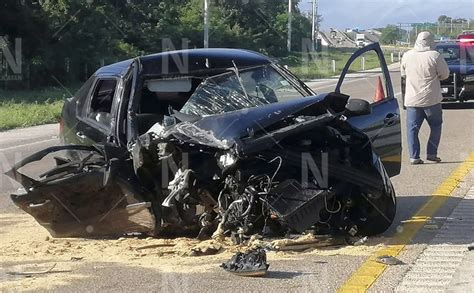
x,y
24,108
446,27
65,41
319,65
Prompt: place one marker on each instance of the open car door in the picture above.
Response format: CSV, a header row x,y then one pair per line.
x,y
383,125
85,197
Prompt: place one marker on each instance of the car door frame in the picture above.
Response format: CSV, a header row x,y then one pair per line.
x,y
115,195
126,88
90,130
371,47
384,122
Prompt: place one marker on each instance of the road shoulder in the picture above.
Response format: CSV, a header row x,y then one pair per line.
x,y
441,263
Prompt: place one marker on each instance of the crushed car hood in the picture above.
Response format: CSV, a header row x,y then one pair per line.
x,y
242,123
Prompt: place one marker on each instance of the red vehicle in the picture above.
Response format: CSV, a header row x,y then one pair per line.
x,y
466,37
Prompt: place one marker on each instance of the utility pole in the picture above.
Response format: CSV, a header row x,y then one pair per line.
x,y
288,43
206,23
400,32
313,25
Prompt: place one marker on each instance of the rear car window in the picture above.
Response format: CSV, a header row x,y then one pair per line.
x,y
101,101
81,94
103,96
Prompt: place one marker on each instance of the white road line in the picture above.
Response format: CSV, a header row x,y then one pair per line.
x,y
434,270
27,144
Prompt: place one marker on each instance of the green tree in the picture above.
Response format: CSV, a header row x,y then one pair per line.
x,y
444,18
389,35
66,40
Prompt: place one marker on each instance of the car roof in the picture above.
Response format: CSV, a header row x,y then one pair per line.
x,y
183,62
119,68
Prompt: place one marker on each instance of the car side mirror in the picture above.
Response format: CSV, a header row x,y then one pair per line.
x,y
357,107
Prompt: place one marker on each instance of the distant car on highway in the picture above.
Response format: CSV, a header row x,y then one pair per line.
x,y
460,58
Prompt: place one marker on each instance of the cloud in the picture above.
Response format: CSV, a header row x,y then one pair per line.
x,y
372,13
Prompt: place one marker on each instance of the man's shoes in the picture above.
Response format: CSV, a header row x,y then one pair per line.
x,y
434,159
416,161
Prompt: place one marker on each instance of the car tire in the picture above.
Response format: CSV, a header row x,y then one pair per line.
x,y
375,222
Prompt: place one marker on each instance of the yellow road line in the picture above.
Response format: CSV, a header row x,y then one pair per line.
x,y
370,270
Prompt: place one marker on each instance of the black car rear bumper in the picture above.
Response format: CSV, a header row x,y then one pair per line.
x,y
458,87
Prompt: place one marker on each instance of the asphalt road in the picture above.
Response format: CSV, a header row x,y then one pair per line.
x,y
304,272
16,145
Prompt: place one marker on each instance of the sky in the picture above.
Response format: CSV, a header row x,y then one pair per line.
x,y
366,14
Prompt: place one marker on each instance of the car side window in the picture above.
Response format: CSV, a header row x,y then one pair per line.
x,y
82,93
100,105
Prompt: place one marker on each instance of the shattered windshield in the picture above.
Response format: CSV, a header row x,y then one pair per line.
x,y
225,93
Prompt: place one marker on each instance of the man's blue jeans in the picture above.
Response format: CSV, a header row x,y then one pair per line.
x,y
415,117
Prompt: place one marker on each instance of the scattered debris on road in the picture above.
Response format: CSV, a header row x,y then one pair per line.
x,y
208,247
152,246
389,260
304,242
31,273
357,242
171,255
252,263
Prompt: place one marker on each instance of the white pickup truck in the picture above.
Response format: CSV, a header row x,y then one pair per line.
x,y
360,40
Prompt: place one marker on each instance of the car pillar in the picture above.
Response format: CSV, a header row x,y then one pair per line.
x,y
455,80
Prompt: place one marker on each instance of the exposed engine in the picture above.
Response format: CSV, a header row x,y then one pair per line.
x,y
306,170
326,178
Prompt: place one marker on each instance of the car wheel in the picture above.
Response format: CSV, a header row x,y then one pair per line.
x,y
375,214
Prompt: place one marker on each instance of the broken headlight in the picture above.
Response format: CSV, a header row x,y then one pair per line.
x,y
226,160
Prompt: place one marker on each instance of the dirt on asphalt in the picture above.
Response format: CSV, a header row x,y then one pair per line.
x,y
33,260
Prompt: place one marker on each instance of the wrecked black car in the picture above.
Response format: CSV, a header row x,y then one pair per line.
x,y
219,141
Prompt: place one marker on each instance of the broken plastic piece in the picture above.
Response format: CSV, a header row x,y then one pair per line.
x,y
29,274
206,248
389,260
357,242
470,247
252,263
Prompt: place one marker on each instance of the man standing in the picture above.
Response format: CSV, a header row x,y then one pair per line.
x,y
423,68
